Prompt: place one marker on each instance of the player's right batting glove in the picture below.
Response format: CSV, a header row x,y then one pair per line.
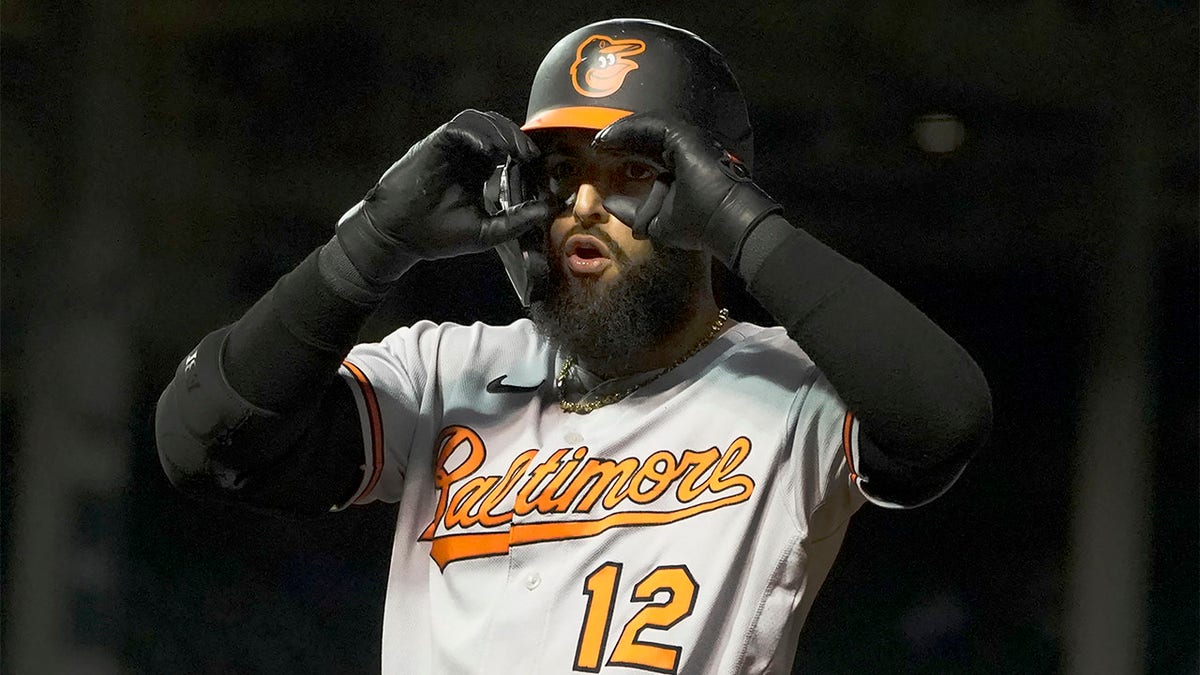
x,y
430,203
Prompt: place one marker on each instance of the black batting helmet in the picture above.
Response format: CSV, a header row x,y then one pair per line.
x,y
607,70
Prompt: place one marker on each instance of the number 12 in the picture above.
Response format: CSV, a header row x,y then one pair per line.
x,y
600,587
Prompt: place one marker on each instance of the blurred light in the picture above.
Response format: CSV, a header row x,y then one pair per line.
x,y
939,133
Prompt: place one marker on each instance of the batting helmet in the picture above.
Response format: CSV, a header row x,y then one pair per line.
x,y
607,70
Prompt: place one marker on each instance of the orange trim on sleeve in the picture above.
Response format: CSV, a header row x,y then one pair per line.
x,y
847,439
376,422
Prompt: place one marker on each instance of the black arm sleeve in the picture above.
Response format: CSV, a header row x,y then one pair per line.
x,y
256,413
922,402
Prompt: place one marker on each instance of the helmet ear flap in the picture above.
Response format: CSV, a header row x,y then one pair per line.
x,y
527,264
537,265
524,258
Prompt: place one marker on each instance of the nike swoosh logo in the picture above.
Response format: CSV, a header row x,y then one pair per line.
x,y
497,386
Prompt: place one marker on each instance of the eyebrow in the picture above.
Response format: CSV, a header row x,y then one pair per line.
x,y
564,150
566,143
572,152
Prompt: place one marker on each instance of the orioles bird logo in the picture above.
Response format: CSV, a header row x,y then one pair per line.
x,y
601,64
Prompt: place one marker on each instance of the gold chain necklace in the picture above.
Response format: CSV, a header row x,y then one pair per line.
x,y
588,407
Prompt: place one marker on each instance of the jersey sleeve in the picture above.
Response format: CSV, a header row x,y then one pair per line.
x,y
825,443
389,380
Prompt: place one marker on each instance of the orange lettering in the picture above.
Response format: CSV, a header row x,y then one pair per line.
x,y
466,500
660,479
698,465
523,505
487,517
448,441
559,482
730,461
552,497
609,475
606,473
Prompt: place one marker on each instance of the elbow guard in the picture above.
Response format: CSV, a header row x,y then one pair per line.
x,y
199,422
913,476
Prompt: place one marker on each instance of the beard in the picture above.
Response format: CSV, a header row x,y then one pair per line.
x,y
607,324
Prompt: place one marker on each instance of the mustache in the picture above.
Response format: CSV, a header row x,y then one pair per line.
x,y
614,248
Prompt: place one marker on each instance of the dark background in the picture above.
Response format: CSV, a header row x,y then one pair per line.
x,y
164,162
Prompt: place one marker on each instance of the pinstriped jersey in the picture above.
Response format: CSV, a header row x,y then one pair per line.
x,y
683,529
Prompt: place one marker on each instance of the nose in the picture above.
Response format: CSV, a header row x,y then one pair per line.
x,y
589,206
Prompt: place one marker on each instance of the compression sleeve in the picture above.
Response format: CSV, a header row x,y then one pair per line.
x,y
256,413
922,402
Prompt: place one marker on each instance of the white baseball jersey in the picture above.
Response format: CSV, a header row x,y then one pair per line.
x,y
684,529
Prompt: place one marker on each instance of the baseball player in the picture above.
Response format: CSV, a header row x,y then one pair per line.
x,y
630,480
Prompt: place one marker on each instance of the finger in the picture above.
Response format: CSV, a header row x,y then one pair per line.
x,y
659,227
526,149
529,149
651,209
490,136
640,134
623,207
513,222
637,214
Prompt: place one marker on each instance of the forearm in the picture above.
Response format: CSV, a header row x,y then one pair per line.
x,y
258,403
292,340
920,397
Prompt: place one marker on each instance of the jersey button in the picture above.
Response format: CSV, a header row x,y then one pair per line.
x,y
533,581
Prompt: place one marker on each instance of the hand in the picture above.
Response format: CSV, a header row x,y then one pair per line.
x,y
430,203
705,200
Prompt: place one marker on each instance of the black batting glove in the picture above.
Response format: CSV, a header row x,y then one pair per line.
x,y
704,200
430,203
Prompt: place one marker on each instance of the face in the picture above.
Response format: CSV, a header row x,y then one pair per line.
x,y
609,294
591,244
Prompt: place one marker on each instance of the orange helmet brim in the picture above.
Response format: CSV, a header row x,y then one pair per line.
x,y
575,117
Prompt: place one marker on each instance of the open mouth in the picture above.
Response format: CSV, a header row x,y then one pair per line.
x,y
586,255
585,246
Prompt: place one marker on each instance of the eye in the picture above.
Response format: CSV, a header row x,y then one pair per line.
x,y
562,175
639,171
562,169
633,177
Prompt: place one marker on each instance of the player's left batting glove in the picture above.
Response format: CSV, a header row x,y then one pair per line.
x,y
705,200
